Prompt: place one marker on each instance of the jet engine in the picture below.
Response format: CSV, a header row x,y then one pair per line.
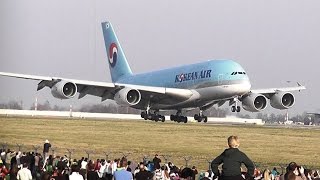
x,y
127,97
254,102
282,100
64,90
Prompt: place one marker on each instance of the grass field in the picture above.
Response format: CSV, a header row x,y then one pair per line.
x,y
266,146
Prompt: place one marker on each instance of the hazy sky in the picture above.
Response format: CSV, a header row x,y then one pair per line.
x,y
275,41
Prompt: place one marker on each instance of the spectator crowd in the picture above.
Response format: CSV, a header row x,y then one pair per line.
x,y
45,166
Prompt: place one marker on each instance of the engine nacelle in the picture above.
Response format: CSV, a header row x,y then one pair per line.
x,y
254,102
282,100
64,90
127,97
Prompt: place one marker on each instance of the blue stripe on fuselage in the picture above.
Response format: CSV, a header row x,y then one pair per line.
x,y
193,76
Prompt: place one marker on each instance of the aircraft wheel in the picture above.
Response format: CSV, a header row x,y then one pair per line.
x,y
185,119
163,118
205,119
197,117
143,114
172,117
238,109
233,108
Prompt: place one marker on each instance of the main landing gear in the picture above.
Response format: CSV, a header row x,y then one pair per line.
x,y
178,117
152,116
200,117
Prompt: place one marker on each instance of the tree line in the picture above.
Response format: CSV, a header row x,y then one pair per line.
x,y
114,108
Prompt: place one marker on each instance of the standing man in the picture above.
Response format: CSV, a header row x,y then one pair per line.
x,y
232,159
156,161
46,147
122,173
24,173
143,174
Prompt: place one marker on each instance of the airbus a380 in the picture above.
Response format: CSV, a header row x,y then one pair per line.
x,y
199,85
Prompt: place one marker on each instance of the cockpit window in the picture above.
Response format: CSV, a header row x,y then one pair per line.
x,y
235,73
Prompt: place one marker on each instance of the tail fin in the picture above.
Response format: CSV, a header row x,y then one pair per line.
x,y
118,64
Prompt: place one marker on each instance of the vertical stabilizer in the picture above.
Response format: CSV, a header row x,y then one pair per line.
x,y
118,64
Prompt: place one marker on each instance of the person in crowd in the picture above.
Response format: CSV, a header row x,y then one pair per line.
x,y
274,172
97,165
13,172
156,160
13,161
49,165
308,174
32,163
3,157
46,147
45,176
9,154
142,173
92,174
36,163
80,161
266,175
75,173
186,173
61,164
24,173
114,166
316,175
3,171
293,168
84,163
289,176
108,170
102,171
128,167
122,173
232,159
18,156
166,172
158,172
24,159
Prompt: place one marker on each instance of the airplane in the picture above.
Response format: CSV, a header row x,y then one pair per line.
x,y
194,86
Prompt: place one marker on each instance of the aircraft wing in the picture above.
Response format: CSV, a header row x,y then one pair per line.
x,y
317,115
270,91
108,90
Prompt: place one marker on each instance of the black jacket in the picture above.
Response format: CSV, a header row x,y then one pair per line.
x,y
232,159
46,147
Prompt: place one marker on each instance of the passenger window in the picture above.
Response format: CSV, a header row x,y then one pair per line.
x,y
240,72
232,73
235,73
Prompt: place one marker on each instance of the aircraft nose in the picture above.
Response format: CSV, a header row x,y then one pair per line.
x,y
246,86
